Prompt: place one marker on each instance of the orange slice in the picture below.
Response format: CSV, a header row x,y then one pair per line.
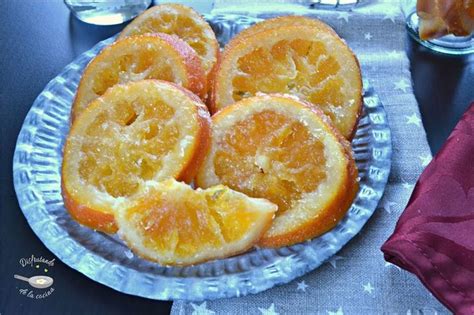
x,y
431,21
133,135
158,56
286,151
438,18
176,225
310,62
288,20
182,21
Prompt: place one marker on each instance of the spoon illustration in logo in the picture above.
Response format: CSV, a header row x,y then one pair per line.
x,y
39,282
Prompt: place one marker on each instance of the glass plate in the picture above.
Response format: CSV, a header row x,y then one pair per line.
x,y
105,259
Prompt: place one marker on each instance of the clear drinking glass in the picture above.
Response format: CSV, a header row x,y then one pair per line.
x,y
201,6
106,12
449,44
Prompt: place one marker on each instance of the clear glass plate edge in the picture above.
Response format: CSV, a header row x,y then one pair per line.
x,y
49,114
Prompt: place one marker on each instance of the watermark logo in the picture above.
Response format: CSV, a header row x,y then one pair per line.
x,y
38,285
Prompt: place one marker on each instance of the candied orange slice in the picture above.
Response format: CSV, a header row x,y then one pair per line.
x,y
281,149
288,20
176,225
310,62
157,56
133,135
182,21
438,18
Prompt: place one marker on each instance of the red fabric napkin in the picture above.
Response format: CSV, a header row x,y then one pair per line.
x,y
434,237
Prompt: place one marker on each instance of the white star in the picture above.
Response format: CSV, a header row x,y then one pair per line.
x,y
387,205
402,85
333,260
391,16
368,36
407,185
425,159
201,309
338,312
413,119
387,264
268,311
302,286
343,16
368,287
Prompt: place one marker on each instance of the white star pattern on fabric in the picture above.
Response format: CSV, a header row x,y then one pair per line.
x,y
368,36
413,119
201,309
302,286
368,287
387,205
391,16
387,264
425,159
407,185
338,312
402,85
268,311
343,16
333,260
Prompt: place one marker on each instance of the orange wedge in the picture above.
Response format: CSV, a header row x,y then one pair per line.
x,y
158,56
182,21
133,135
281,149
307,61
173,224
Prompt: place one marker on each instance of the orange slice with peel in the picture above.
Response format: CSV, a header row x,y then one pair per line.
x,y
157,56
287,20
442,17
134,135
281,149
183,22
310,62
173,224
